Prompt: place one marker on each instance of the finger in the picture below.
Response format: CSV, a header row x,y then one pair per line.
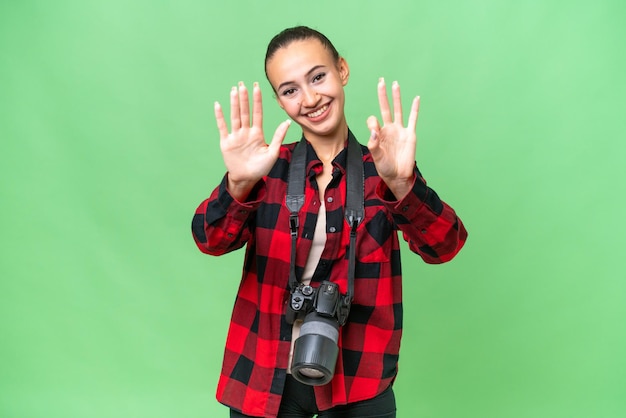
x,y
257,107
235,120
244,105
415,107
279,136
383,101
221,123
397,103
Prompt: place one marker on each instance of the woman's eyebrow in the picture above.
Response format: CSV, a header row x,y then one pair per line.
x,y
308,73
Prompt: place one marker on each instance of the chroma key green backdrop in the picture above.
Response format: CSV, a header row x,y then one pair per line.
x,y
108,144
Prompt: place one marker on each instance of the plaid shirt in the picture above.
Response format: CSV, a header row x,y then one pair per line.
x,y
258,341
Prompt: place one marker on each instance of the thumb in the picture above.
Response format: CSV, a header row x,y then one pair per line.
x,y
372,124
279,136
374,127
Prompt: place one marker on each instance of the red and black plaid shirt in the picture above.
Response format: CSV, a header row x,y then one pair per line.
x,y
258,341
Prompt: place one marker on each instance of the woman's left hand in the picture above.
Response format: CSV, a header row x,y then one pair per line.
x,y
393,145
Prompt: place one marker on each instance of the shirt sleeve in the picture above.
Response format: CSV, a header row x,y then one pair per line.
x,y
221,224
429,225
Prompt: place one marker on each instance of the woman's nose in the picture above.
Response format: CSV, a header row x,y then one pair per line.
x,y
310,98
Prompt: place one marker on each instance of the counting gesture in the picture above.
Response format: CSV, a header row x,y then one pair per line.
x,y
392,145
246,154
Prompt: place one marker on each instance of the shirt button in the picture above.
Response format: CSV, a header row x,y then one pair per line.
x,y
332,229
330,200
423,231
405,208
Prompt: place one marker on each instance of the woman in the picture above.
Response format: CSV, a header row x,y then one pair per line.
x,y
248,208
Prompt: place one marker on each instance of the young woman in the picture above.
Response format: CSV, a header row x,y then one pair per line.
x,y
249,208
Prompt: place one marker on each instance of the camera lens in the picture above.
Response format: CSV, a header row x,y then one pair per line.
x,y
315,351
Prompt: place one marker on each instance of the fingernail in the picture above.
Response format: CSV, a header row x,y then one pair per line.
x,y
374,135
288,121
395,83
256,84
381,80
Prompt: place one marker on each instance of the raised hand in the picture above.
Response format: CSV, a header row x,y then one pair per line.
x,y
246,154
393,145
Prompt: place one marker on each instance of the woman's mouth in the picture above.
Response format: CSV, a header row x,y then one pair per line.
x,y
319,112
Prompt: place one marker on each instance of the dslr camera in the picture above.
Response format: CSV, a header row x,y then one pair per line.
x,y
323,310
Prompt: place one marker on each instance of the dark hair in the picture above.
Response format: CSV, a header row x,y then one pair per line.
x,y
297,33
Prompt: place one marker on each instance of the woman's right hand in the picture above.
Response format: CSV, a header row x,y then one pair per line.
x,y
247,156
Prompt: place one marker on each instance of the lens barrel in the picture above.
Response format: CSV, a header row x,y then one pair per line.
x,y
315,351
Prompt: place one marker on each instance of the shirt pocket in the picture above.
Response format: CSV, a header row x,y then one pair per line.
x,y
374,236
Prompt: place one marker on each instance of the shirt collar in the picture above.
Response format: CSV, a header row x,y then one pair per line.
x,y
340,161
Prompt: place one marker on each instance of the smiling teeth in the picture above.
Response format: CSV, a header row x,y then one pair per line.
x,y
318,112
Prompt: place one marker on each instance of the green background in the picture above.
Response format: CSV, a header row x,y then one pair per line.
x,y
108,140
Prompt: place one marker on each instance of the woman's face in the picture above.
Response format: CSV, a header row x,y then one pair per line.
x,y
308,83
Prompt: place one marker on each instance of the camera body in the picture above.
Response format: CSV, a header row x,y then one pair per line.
x,y
323,310
326,300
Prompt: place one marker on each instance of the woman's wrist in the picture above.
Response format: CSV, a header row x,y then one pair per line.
x,y
240,189
400,187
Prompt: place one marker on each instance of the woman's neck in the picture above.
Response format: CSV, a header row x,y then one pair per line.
x,y
327,147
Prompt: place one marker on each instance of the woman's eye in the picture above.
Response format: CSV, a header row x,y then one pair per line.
x,y
319,77
289,92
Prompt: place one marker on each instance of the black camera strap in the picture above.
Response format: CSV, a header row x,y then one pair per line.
x,y
354,211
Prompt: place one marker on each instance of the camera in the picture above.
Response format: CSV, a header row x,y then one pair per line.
x,y
323,310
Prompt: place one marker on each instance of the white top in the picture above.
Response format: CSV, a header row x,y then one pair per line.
x,y
319,241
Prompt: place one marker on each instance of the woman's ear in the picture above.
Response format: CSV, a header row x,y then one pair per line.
x,y
344,70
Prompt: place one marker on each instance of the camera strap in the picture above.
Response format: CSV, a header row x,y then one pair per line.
x,y
354,211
